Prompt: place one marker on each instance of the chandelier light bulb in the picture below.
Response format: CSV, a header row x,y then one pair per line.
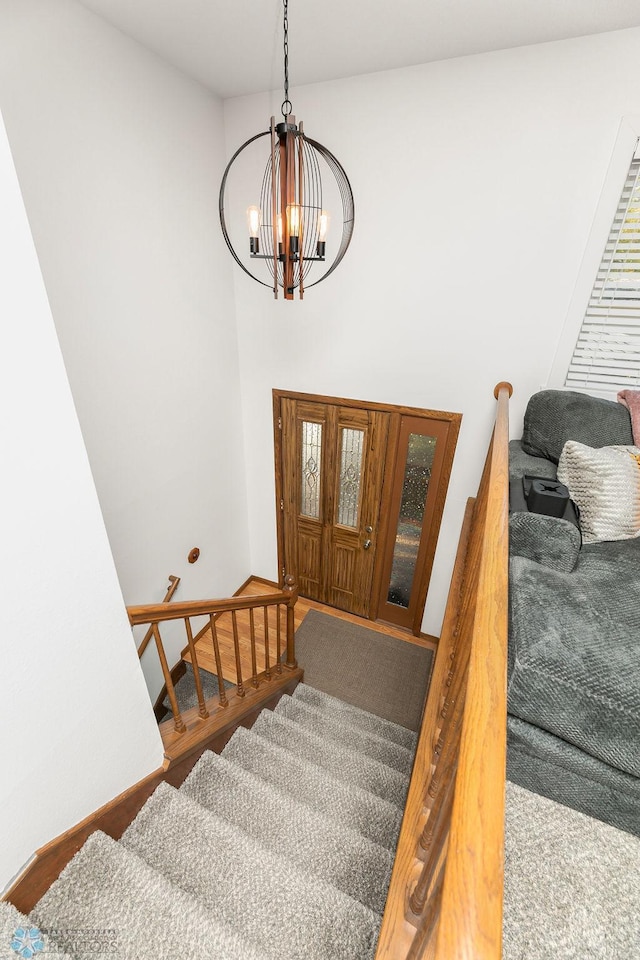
x,y
254,221
294,220
323,226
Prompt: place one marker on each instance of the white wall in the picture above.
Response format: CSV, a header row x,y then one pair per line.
x,y
76,724
119,158
475,181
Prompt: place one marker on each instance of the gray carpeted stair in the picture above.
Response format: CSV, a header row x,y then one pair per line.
x,y
243,884
371,775
355,717
107,891
279,848
325,726
312,840
377,819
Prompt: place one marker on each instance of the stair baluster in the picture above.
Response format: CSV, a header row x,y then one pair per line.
x,y
291,588
432,842
252,638
278,641
202,709
236,647
428,919
216,653
177,719
267,664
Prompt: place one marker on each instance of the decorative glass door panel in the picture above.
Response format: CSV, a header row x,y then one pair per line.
x,y
418,465
352,449
413,519
311,469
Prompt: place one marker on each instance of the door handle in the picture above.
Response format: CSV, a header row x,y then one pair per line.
x,y
366,544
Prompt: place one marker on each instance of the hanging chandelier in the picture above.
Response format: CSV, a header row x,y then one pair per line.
x,y
289,228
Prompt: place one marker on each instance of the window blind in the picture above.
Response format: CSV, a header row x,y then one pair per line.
x,y
607,354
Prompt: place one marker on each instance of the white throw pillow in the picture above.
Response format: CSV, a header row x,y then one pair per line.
x,y
605,484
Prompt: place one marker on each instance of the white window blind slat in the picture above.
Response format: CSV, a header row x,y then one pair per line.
x,y
607,352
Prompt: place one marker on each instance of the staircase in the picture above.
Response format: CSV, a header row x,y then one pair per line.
x,y
280,847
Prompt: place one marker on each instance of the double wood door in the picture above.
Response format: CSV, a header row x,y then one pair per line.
x,y
333,469
361,490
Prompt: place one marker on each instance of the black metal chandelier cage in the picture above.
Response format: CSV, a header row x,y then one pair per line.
x,y
288,230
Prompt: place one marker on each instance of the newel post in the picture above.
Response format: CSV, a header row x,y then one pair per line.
x,y
291,588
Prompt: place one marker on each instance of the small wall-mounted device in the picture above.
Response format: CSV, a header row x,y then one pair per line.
x,y
193,555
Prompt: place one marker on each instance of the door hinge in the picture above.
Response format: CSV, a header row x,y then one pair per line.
x,y
282,504
279,423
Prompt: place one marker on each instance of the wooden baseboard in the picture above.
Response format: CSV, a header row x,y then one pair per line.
x,y
429,639
114,817
252,578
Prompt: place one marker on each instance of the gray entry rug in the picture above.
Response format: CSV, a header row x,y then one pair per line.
x,y
370,670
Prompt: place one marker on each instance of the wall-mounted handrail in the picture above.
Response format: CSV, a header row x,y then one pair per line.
x,y
173,586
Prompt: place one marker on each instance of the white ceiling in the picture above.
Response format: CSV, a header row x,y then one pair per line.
x,y
235,47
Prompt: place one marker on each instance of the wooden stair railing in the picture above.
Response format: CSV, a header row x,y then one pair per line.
x,y
445,897
281,602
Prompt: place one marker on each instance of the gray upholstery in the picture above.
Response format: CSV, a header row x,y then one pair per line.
x,y
555,416
575,643
548,765
574,633
550,541
521,463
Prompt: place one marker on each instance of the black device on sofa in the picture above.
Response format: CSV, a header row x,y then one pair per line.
x,y
542,495
574,630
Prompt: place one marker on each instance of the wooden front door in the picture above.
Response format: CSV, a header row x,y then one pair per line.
x,y
333,461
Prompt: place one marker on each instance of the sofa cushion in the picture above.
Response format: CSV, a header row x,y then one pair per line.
x,y
521,463
555,416
574,650
605,483
548,765
550,541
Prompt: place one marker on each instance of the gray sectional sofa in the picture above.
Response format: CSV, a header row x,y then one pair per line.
x,y
574,631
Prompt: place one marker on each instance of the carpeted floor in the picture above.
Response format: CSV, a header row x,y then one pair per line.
x,y
378,673
572,884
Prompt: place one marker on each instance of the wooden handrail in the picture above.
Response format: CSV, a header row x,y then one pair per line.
x,y
158,612
471,912
173,586
445,897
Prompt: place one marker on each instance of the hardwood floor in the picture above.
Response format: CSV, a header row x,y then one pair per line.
x,y
224,629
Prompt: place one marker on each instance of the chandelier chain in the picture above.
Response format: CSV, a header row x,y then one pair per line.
x,y
286,103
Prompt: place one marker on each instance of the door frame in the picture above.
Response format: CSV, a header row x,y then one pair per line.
x,y
397,411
